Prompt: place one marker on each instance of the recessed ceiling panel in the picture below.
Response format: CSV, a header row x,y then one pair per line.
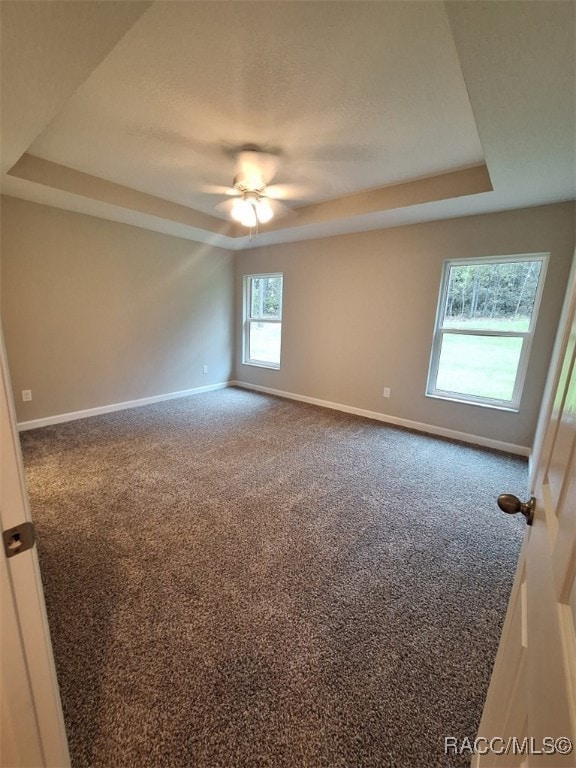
x,y
354,95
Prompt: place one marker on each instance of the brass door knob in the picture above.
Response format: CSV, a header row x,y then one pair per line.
x,y
511,505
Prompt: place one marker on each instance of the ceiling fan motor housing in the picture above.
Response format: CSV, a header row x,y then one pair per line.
x,y
247,186
255,170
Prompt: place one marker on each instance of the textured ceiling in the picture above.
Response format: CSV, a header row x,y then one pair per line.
x,y
387,112
354,95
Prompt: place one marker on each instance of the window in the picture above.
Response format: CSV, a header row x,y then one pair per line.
x,y
262,320
484,327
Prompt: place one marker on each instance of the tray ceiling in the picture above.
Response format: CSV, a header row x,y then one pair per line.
x,y
371,105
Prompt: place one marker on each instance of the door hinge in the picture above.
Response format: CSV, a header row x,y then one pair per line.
x,y
18,539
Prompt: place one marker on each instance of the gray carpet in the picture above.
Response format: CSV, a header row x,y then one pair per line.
x,y
238,580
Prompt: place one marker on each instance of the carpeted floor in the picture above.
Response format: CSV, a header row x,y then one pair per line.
x,y
237,580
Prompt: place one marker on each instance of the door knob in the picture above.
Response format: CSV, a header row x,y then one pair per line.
x,y
511,505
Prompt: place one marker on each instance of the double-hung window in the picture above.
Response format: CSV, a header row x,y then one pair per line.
x,y
262,320
485,322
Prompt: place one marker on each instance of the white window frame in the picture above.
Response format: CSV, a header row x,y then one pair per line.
x,y
526,336
248,318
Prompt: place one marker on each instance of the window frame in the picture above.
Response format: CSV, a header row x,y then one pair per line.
x,y
249,318
527,336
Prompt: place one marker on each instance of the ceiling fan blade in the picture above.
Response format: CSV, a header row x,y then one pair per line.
x,y
199,146
216,189
289,191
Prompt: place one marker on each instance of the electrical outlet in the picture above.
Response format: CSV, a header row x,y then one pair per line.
x,y
26,395
204,369
386,392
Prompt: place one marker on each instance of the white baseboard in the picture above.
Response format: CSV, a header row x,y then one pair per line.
x,y
430,429
62,417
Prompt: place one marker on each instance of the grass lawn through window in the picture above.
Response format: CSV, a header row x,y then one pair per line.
x,y
482,366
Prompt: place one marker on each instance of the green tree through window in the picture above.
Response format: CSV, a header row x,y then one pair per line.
x,y
262,320
484,328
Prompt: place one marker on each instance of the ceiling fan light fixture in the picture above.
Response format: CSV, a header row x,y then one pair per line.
x,y
264,210
240,208
251,209
249,217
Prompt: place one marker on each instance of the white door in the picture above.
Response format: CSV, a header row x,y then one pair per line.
x,y
31,716
530,710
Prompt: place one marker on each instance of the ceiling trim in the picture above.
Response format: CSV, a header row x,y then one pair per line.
x,y
444,186
450,185
61,177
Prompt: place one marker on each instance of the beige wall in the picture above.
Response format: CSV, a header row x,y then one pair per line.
x,y
96,312
359,314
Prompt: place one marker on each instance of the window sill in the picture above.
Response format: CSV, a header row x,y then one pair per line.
x,y
255,364
464,401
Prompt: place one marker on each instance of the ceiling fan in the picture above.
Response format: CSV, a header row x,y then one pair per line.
x,y
256,201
